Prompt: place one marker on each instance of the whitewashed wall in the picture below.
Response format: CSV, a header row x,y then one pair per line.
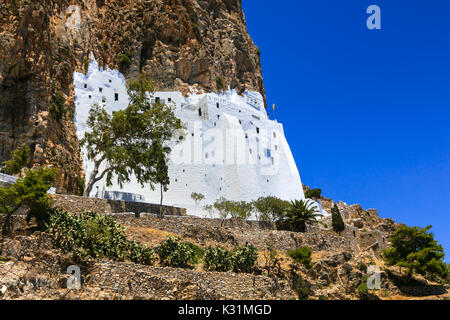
x,y
207,160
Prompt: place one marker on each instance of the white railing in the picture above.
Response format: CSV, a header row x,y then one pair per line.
x,y
7,179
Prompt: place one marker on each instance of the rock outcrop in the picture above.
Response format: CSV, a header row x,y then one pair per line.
x,y
181,44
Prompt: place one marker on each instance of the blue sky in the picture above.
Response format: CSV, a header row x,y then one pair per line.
x,y
366,112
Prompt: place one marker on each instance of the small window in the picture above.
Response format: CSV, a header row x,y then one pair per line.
x,y
206,156
116,97
218,116
90,97
274,135
100,89
240,121
158,99
276,147
246,136
104,99
273,161
215,124
110,80
200,112
257,130
169,99
217,105
85,86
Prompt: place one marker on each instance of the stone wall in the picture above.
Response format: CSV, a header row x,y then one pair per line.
x,y
233,233
77,204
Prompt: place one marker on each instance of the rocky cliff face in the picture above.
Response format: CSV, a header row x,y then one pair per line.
x,y
180,43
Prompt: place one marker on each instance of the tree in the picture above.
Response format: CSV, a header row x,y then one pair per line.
x,y
18,160
298,215
235,209
313,193
415,249
336,218
131,141
29,192
270,208
197,197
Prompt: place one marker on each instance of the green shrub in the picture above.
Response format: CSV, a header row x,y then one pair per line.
x,y
91,235
301,255
56,108
362,267
363,291
176,254
337,222
244,259
270,208
125,59
218,259
313,193
302,289
416,249
30,193
220,83
198,252
18,160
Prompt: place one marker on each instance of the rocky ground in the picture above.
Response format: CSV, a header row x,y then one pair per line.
x,y
32,269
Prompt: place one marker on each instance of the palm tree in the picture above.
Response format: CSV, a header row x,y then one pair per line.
x,y
299,214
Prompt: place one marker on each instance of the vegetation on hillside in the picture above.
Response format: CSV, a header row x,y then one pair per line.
x,y
302,256
17,161
336,218
298,215
92,235
415,249
313,193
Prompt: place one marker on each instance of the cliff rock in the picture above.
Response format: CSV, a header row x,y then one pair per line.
x,y
181,43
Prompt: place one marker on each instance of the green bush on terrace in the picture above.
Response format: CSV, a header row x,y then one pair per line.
x,y
173,253
91,235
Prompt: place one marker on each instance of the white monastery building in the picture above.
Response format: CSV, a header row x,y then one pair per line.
x,y
230,148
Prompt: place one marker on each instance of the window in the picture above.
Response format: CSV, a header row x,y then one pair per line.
x,y
273,161
100,89
257,130
218,116
169,99
276,147
116,97
90,96
110,80
206,156
158,99
104,99
85,86
240,121
217,105
268,153
200,112
274,135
